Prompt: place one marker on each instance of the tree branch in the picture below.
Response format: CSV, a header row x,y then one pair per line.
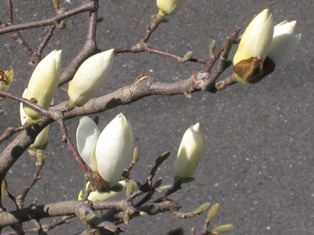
x,y
88,6
68,208
89,48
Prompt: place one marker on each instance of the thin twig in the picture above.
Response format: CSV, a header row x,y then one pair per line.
x,y
39,165
170,55
217,54
9,131
143,47
10,11
46,39
57,222
26,102
153,26
88,49
87,6
175,187
17,36
72,146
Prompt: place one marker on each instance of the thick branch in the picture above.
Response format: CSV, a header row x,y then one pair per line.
x,y
18,146
142,87
74,207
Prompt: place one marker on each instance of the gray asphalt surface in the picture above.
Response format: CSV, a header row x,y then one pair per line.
x,y
259,158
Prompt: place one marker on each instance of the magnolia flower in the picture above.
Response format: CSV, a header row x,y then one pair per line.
x,y
284,42
43,83
254,47
264,47
87,135
89,76
42,138
168,7
256,38
190,152
106,153
6,79
95,196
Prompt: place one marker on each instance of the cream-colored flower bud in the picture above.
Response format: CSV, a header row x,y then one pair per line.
x,y
42,138
6,79
4,192
168,7
105,196
212,212
56,3
256,39
102,196
114,149
43,83
253,48
284,42
89,77
190,152
222,229
87,134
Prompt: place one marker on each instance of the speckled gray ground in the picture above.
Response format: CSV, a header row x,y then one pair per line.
x,y
259,159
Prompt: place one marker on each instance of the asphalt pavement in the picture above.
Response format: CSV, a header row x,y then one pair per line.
x,y
259,158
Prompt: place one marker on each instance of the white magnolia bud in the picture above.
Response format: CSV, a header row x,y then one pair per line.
x,y
42,138
104,196
190,152
256,38
87,135
43,83
114,149
168,7
284,42
89,77
6,79
4,192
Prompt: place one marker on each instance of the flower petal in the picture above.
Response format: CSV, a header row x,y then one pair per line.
x,y
190,152
89,77
256,38
43,83
114,149
87,134
282,48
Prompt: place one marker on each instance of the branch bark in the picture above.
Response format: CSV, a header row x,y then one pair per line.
x,y
88,6
76,207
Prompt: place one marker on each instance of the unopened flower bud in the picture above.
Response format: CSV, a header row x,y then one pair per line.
x,y
212,212
114,149
4,192
95,196
87,134
56,3
284,42
106,153
190,152
89,77
256,38
201,209
168,7
6,79
42,138
222,229
43,83
264,47
254,47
